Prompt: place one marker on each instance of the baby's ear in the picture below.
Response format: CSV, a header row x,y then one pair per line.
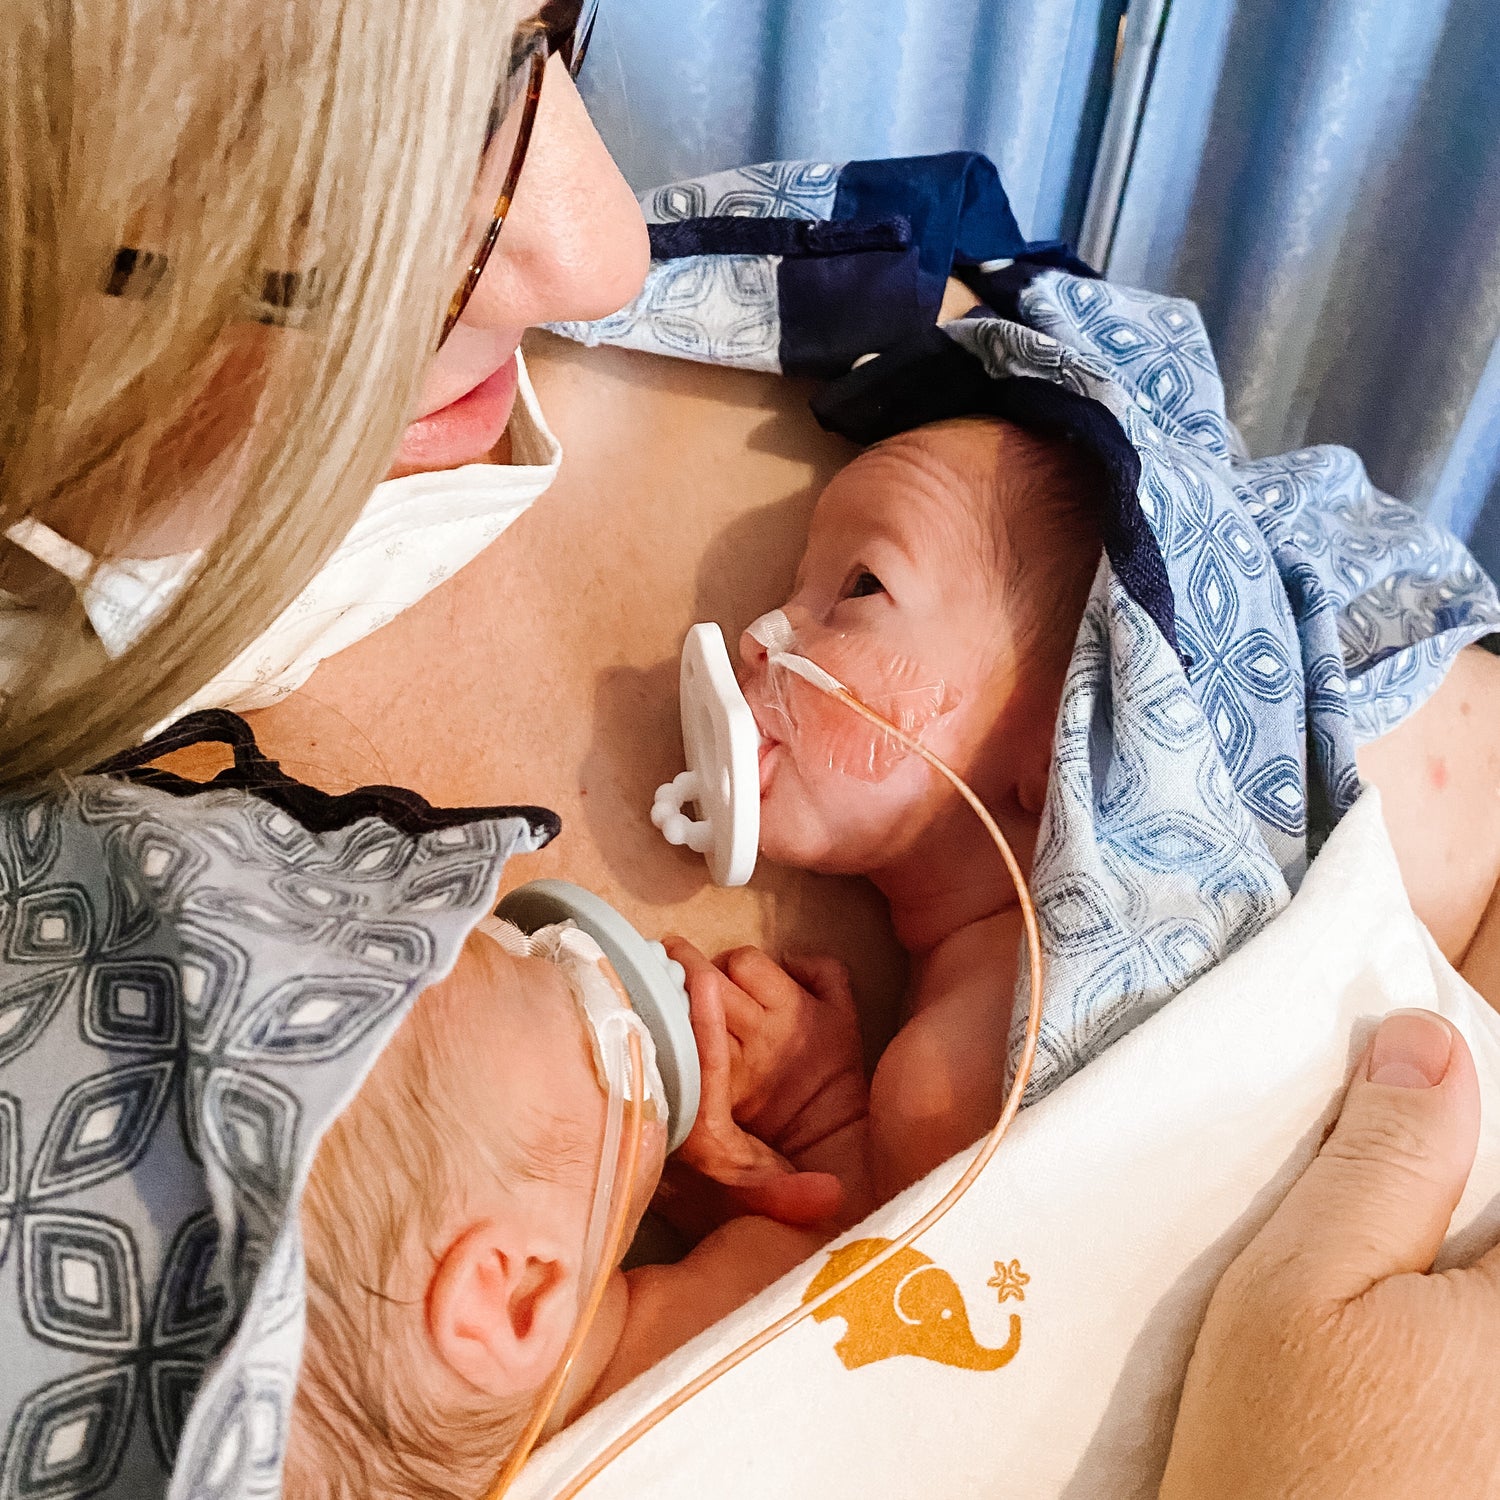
x,y
500,1307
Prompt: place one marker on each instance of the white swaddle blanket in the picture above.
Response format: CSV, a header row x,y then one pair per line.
x,y
1103,1225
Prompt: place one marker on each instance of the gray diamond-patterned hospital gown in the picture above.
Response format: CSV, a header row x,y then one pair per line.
x,y
190,990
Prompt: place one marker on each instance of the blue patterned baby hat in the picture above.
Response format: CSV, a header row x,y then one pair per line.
x,y
191,989
1254,621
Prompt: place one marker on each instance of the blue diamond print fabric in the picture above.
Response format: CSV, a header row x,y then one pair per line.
x,y
190,991
1253,621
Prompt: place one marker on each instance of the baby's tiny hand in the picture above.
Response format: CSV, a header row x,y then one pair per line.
x,y
782,1074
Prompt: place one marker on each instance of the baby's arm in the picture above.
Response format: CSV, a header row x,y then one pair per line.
x,y
940,1084
668,1305
784,1116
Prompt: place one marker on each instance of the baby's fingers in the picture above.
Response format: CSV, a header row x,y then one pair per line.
x,y
826,978
759,1179
705,987
695,1204
695,966
760,977
801,1198
735,1007
718,1148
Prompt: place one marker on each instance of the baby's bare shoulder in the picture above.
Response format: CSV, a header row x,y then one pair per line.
x,y
971,966
1439,781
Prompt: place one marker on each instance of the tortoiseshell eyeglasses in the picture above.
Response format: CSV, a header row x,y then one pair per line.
x,y
563,27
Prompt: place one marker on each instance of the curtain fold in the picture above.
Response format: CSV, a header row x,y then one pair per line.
x,y
683,87
1323,178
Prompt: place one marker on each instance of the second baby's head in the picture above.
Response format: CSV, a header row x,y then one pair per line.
x,y
444,1227
944,578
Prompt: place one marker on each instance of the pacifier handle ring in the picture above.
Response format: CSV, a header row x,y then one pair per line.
x,y
673,823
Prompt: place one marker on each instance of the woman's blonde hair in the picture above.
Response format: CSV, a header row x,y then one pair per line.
x,y
215,397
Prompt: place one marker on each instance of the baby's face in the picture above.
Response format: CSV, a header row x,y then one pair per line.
x,y
898,596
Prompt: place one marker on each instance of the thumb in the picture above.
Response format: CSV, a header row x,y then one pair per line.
x,y
797,1198
1378,1198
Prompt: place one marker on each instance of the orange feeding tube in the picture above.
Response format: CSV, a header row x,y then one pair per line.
x,y
826,683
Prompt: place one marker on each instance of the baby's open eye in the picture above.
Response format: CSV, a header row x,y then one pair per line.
x,y
865,583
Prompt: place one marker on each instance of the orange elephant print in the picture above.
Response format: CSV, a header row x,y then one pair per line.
x,y
909,1305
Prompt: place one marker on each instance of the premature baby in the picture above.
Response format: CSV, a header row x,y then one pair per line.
x,y
944,581
444,1227
945,576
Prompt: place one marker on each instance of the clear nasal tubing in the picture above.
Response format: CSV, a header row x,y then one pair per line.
x,y
726,776
625,1062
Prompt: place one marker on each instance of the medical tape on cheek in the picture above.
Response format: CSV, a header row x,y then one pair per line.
x,y
602,1002
822,730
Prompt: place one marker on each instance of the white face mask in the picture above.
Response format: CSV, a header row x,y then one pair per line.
x,y
121,597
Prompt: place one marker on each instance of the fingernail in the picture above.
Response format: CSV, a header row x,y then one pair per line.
x,y
1411,1050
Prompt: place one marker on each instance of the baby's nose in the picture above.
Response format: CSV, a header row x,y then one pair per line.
x,y
773,631
752,653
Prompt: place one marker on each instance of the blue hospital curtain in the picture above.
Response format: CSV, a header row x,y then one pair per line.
x,y
683,87
1323,178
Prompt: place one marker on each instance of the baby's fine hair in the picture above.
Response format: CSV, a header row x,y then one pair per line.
x,y
1046,534
401,1151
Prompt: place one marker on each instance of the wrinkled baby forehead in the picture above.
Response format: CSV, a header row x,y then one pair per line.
x,y
961,465
971,448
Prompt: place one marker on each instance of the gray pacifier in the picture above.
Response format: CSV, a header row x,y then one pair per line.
x,y
653,981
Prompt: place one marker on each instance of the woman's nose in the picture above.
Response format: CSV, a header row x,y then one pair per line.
x,y
574,244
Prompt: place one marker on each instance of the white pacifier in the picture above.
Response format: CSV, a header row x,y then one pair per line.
x,y
722,780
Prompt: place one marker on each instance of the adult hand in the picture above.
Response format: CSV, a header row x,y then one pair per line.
x,y
1333,1362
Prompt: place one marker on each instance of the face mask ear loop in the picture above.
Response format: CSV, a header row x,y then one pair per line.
x,y
614,1247
987,1148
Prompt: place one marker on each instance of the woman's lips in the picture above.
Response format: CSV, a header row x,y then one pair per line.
x,y
465,430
